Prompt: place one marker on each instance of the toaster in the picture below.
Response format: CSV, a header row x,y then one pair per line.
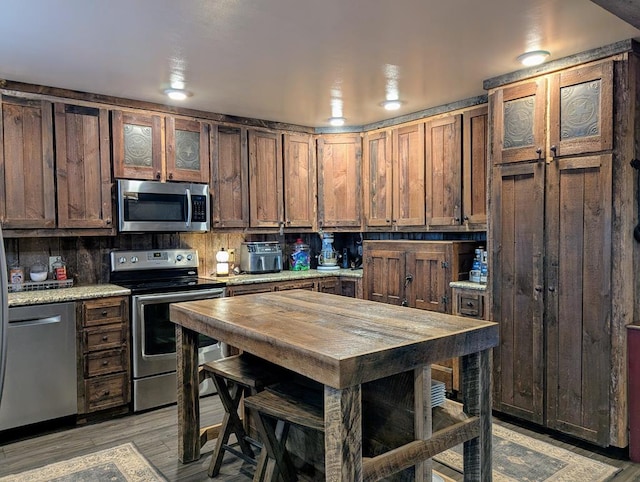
x,y
260,257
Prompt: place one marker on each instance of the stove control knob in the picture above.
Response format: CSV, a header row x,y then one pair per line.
x,y
179,258
134,259
189,257
122,260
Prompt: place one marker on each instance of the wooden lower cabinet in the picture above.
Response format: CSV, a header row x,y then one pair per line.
x,y
104,374
470,302
335,285
417,274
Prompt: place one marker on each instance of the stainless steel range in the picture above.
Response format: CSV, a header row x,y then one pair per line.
x,y
157,278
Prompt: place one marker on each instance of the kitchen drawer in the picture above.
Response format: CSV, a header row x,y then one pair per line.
x,y
297,285
471,305
106,392
104,311
105,337
105,362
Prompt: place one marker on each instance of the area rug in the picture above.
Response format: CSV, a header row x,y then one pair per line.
x,y
118,464
518,458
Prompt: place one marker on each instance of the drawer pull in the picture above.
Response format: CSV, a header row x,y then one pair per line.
x,y
105,363
106,393
105,312
105,338
469,304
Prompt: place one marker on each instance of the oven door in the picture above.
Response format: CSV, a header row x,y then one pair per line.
x,y
154,335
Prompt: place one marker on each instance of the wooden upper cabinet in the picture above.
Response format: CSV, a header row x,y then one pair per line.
x,y
581,110
519,122
138,141
266,201
378,179
409,175
474,167
27,191
83,167
443,171
339,181
229,177
299,181
187,150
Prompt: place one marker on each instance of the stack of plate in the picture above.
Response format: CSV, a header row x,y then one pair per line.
x,y
437,393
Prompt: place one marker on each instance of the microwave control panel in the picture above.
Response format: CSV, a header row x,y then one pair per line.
x,y
198,209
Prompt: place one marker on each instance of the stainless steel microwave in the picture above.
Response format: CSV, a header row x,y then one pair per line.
x,y
151,206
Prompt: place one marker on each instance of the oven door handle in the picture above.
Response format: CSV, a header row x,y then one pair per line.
x,y
180,296
189,208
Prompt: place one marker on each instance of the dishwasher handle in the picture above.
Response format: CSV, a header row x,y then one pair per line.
x,y
35,321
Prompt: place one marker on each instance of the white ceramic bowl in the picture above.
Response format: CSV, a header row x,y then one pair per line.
x,y
38,276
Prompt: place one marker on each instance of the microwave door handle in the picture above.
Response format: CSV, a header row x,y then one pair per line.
x,y
188,192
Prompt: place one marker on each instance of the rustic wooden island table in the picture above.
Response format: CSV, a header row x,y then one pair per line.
x,y
347,344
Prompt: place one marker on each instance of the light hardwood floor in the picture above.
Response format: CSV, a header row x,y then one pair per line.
x,y
155,435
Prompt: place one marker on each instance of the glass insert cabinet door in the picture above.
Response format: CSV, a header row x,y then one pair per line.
x,y
187,150
162,148
519,117
137,145
581,110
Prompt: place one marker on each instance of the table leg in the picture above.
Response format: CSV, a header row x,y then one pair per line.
x,y
423,418
188,395
476,369
343,434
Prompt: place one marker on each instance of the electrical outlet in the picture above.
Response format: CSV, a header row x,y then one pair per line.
x,y
52,259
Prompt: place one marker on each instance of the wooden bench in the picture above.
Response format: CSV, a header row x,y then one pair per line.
x,y
236,377
278,408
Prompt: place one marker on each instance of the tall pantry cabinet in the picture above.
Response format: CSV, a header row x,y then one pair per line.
x,y
559,229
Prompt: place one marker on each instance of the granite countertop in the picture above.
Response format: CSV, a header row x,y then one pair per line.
x,y
244,279
468,285
24,298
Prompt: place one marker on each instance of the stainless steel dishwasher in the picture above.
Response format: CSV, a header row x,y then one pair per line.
x,y
40,374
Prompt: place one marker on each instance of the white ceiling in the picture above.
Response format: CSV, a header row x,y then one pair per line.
x,y
284,60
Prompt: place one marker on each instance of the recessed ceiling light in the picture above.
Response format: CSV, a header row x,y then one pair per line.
x,y
535,57
337,121
391,104
177,94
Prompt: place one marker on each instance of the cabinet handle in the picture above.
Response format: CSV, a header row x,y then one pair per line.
x,y
465,218
538,288
469,304
104,313
108,221
554,149
539,152
106,393
170,175
551,289
456,219
105,338
105,363
158,176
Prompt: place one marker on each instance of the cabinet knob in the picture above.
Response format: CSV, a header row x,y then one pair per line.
x,y
158,176
105,338
106,393
554,150
552,289
538,288
105,363
104,313
539,152
108,221
469,304
170,175
465,218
